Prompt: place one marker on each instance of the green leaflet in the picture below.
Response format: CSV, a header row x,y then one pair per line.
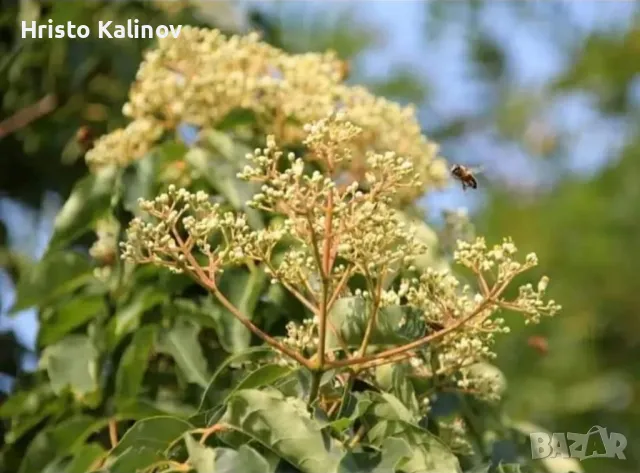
x,y
181,342
283,426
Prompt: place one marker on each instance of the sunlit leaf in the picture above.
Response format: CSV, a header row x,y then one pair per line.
x,y
403,389
245,459
146,443
72,363
225,460
388,407
284,427
428,453
201,458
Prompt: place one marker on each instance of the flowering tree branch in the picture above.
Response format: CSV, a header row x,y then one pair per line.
x,y
340,233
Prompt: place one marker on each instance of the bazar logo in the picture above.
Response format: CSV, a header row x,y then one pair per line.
x,y
596,443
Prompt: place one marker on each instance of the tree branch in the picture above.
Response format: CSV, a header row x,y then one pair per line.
x,y
424,340
26,115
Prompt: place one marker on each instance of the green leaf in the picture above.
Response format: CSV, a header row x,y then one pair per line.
x,y
138,409
428,453
138,182
134,459
199,310
400,386
243,289
220,169
140,179
127,317
54,443
509,468
134,364
201,458
363,402
72,363
170,151
214,395
480,469
55,275
181,343
283,426
237,117
71,314
263,376
88,202
85,458
146,443
225,460
245,459
394,325
388,407
393,451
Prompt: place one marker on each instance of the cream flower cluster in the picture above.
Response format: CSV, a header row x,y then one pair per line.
x,y
202,76
124,145
372,237
333,233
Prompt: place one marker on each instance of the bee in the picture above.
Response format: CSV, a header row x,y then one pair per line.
x,y
84,137
465,175
345,70
539,344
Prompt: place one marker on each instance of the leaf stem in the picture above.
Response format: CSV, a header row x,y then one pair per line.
x,y
113,432
326,273
196,271
207,431
371,323
358,436
316,377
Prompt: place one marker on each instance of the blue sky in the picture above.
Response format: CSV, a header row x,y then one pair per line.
x,y
531,51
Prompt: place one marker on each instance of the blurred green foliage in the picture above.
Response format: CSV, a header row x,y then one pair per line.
x,y
584,228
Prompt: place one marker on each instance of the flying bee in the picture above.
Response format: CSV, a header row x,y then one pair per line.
x,y
465,175
345,69
84,137
539,344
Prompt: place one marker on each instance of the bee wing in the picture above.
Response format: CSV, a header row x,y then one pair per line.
x,y
477,170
